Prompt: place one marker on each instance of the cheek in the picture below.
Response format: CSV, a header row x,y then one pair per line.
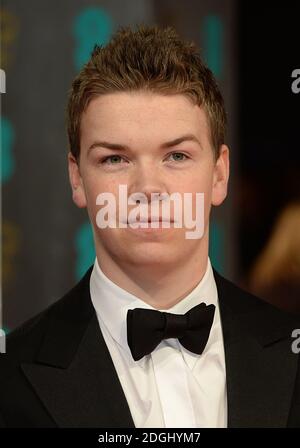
x,y
96,185
201,183
93,189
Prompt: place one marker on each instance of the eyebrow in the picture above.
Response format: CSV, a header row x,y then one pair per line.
x,y
120,147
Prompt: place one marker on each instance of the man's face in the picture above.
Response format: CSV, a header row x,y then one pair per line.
x,y
143,122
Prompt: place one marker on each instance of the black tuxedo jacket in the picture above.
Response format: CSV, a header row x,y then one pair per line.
x,y
57,370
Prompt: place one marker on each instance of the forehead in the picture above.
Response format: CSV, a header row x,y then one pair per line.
x,y
142,114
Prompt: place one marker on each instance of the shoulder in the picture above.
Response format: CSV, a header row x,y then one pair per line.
x,y
253,310
242,300
23,343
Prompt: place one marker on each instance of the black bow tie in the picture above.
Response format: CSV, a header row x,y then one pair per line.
x,y
147,328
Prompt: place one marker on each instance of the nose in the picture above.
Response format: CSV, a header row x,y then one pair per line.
x,y
146,179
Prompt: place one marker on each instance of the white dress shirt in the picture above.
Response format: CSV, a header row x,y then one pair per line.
x,y
171,387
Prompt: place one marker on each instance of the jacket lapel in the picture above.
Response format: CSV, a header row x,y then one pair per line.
x,y
260,365
73,373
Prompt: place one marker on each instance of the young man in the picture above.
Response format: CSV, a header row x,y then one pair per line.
x,y
152,336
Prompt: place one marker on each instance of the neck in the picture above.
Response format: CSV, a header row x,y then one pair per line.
x,y
158,285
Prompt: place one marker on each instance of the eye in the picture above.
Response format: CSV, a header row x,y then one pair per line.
x,y
114,159
179,154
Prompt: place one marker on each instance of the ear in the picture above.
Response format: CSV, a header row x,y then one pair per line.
x,y
220,176
78,192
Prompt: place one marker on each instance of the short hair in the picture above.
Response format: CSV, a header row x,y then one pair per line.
x,y
149,58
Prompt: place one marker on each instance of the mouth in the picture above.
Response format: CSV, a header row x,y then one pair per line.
x,y
147,226
154,218
149,221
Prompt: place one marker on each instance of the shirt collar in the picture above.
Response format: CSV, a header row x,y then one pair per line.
x,y
112,302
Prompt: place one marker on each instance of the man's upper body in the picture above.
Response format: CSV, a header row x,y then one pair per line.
x,y
63,369
139,103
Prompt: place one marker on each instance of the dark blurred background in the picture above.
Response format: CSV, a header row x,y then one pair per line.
x,y
269,144
252,48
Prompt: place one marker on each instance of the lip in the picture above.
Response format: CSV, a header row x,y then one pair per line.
x,y
153,220
150,229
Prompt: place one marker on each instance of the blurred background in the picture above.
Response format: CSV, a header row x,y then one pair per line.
x,y
252,49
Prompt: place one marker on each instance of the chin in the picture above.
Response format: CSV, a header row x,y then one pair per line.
x,y
149,257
